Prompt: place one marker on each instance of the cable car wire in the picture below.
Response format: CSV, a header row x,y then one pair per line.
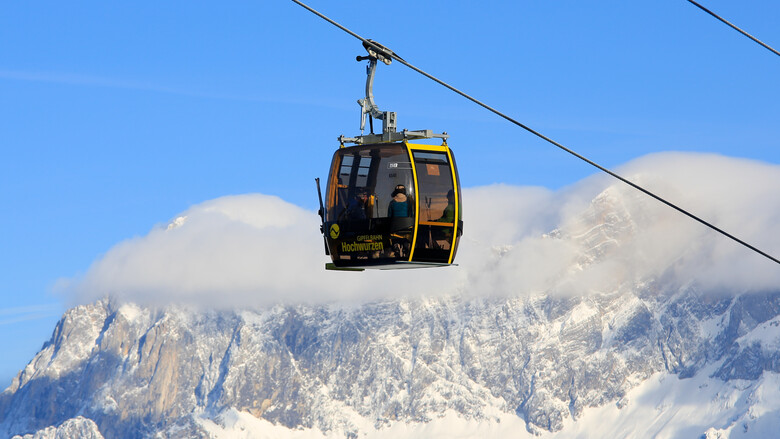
x,y
735,27
542,136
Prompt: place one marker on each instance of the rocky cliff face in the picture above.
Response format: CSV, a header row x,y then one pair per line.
x,y
78,427
138,371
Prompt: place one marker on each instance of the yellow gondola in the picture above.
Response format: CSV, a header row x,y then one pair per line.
x,y
390,203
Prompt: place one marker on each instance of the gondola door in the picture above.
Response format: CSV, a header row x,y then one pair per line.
x,y
438,209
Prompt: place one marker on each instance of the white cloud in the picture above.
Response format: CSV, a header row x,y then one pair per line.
x,y
253,250
238,250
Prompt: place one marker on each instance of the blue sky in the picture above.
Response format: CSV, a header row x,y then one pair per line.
x,y
115,118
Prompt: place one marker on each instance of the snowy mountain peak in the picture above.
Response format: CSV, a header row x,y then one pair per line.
x,y
544,359
177,222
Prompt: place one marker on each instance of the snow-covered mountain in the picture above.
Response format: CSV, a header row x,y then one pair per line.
x,y
78,427
139,371
609,336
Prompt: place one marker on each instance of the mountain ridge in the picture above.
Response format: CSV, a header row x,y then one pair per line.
x,y
132,368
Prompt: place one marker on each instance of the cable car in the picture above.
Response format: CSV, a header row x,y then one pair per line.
x,y
390,203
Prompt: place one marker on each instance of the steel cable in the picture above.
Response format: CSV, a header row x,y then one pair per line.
x,y
735,27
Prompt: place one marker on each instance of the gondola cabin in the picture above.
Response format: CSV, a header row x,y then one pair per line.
x,y
392,205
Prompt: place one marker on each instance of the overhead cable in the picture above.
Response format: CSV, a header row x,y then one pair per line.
x,y
735,27
542,136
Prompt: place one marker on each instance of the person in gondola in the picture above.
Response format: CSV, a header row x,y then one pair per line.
x,y
356,209
399,205
448,216
442,237
399,229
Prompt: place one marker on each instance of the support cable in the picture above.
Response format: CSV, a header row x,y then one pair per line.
x,y
735,28
542,136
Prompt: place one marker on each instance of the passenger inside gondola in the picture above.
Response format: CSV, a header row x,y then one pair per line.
x,y
448,216
356,209
399,205
399,211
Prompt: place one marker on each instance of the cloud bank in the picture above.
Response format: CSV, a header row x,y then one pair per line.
x,y
598,235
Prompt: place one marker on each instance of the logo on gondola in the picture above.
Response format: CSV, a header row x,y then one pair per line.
x,y
334,231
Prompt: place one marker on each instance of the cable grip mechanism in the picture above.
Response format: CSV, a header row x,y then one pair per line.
x,y
378,52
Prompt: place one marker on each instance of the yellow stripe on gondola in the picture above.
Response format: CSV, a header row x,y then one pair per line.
x,y
416,199
456,218
421,147
435,148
